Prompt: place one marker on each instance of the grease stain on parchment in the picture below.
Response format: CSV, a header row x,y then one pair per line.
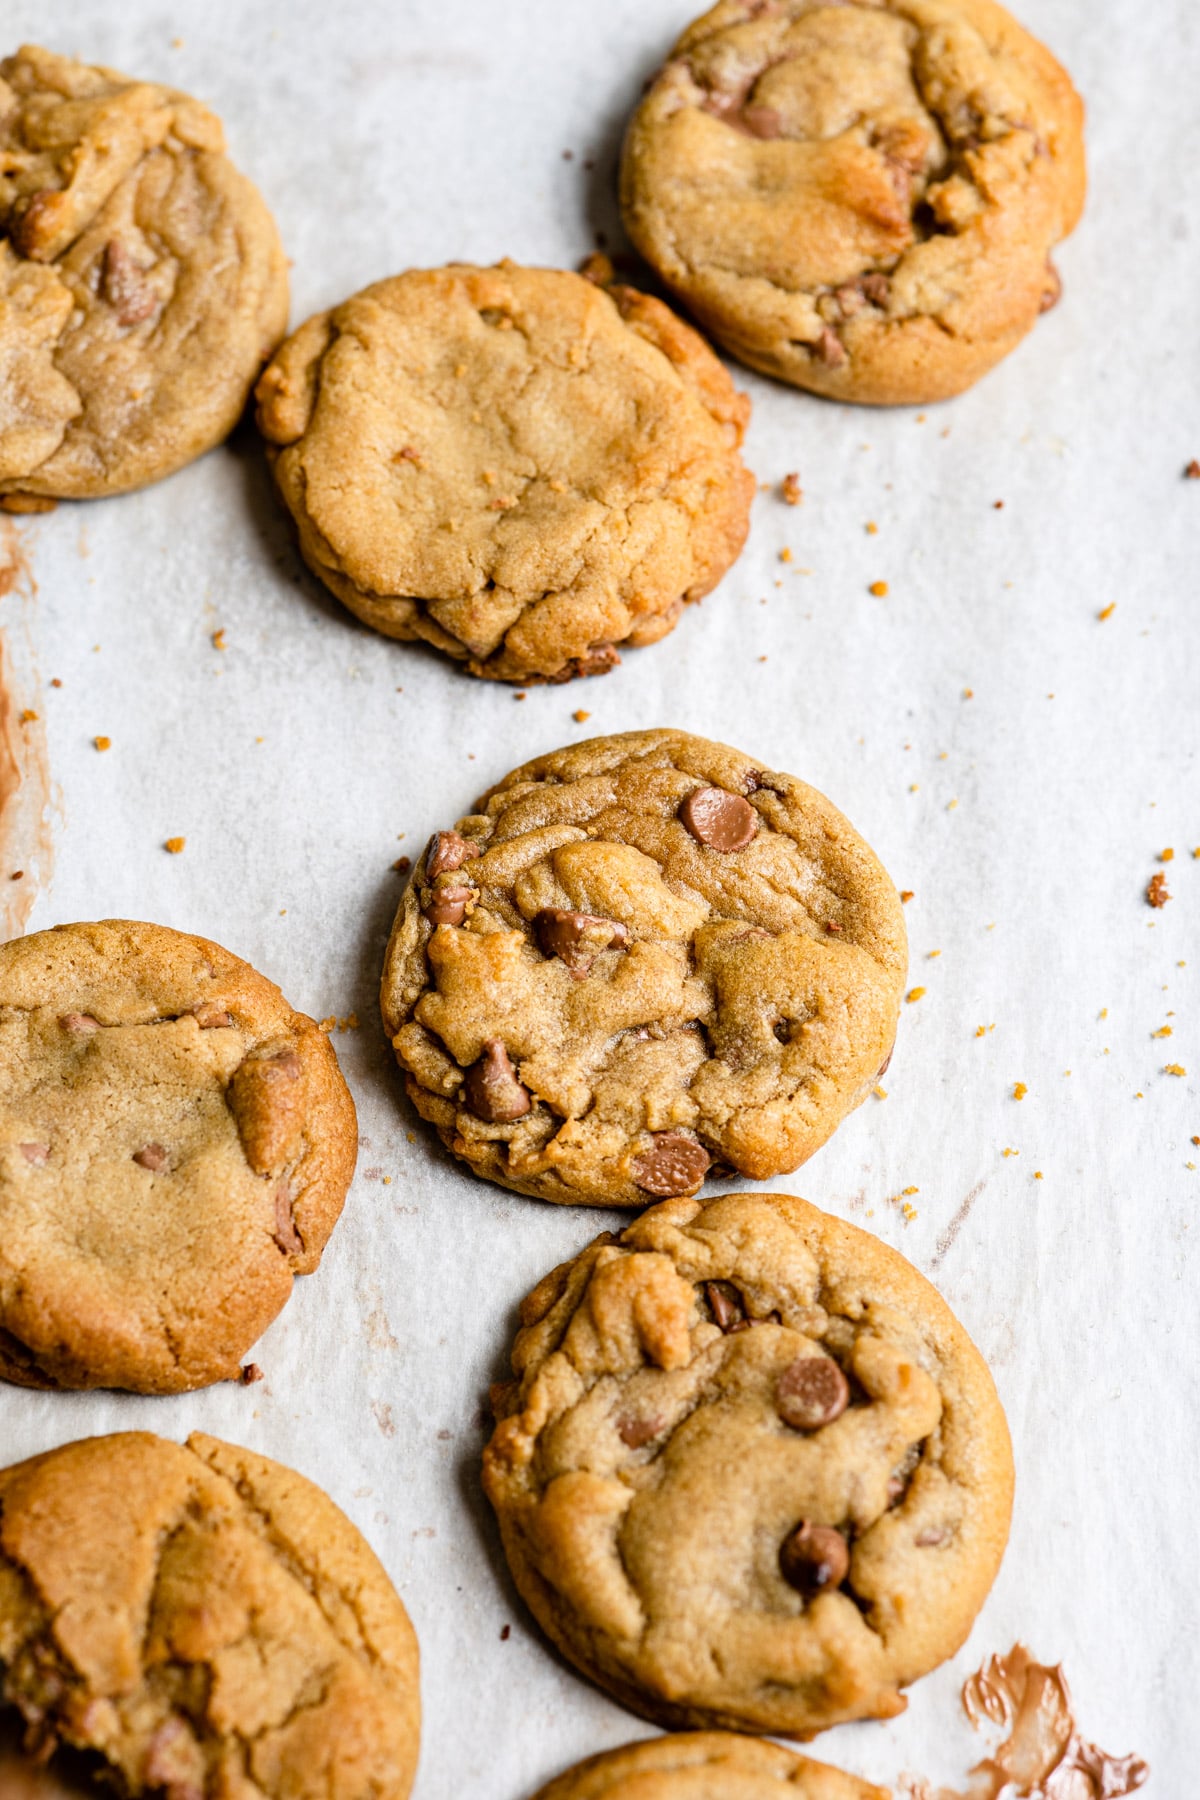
x,y
26,844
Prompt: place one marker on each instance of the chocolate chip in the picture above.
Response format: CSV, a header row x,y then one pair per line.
x,y
722,820
726,1304
123,285
250,1373
79,1022
674,1164
448,906
35,1153
930,1539
813,1558
830,348
151,1156
811,1392
577,938
447,851
875,288
635,1432
492,1090
285,1233
210,1015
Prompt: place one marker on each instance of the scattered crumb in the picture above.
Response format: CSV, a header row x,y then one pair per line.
x,y
505,1633
1010,1153
950,805
968,693
910,1190
914,994
175,845
218,639
1103,1013
55,682
327,1024
1174,1069
791,490
1167,855
28,717
1106,612
518,696
402,864
909,1212
871,528
881,1094
933,953
1037,1175
785,554
914,787
250,1374
879,589
1192,472
102,743
906,895
1019,1090
1163,1031
998,505
1156,890
580,717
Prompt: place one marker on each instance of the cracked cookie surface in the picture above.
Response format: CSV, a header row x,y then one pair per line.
x,y
860,198
142,281
175,1146
659,1510
706,1765
203,1621
644,955
514,465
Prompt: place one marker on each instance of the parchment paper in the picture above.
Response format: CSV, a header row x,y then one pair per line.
x,y
305,757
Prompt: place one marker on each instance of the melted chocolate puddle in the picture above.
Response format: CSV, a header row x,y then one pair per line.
x,y
1043,1757
25,843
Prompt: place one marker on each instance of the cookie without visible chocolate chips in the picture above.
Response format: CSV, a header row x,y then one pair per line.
x,y
175,1145
642,957
858,197
693,1548
203,1622
706,1765
142,281
516,466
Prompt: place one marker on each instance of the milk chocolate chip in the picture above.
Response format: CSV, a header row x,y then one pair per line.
x,y
722,820
811,1392
725,1302
285,1233
151,1156
813,1558
447,851
448,906
673,1165
635,1432
35,1153
492,1090
266,1097
577,938
79,1022
210,1015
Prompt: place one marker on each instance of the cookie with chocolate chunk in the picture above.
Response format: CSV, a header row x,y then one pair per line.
x,y
175,1146
142,281
858,196
196,1620
517,466
706,1549
643,957
706,1765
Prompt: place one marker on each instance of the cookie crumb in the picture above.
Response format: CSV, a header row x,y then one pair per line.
x,y
785,555
998,505
1019,1090
55,682
1037,1175
520,696
402,864
1192,472
28,717
102,743
906,895
880,1092
1010,1153
914,994
1166,855
792,492
505,1633
1106,612
250,1374
968,693
218,639
175,845
1174,1069
879,589
1163,1031
870,528
580,717
1156,890
327,1024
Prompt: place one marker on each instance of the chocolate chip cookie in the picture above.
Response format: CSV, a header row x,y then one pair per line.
x,y
752,1472
142,281
175,1145
202,1621
643,957
706,1765
858,197
515,465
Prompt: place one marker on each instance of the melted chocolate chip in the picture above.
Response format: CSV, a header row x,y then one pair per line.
x,y
931,1538
719,819
151,1156
79,1022
813,1558
673,1165
285,1234
447,851
448,906
35,1153
492,1090
211,1016
577,938
875,288
811,1392
726,1304
635,1432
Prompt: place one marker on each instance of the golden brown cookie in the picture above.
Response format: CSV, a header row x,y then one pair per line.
x,y
752,1472
858,196
142,281
706,1765
513,464
643,957
203,1621
175,1145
